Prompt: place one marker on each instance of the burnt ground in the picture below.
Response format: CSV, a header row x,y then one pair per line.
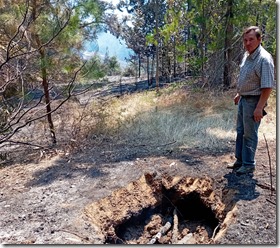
x,y
44,202
50,197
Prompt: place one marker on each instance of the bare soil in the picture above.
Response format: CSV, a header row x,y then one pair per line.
x,y
47,202
119,193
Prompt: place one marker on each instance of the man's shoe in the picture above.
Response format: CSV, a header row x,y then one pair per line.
x,y
245,170
235,165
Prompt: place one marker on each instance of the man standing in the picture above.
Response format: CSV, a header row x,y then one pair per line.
x,y
254,86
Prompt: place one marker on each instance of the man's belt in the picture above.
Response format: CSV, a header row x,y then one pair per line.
x,y
250,96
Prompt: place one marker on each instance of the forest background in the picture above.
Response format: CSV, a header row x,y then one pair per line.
x,y
42,62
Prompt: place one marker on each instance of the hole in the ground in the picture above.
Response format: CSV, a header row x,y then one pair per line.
x,y
168,210
193,217
133,228
190,207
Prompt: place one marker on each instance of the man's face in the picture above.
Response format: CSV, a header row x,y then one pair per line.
x,y
250,41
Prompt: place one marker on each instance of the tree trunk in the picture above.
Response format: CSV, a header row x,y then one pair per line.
x,y
46,89
153,69
157,47
202,44
227,47
148,70
139,65
45,83
174,57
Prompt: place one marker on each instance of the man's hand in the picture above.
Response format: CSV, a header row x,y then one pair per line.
x,y
236,99
258,114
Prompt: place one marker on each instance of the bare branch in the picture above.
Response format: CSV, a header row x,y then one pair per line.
x,y
270,169
10,46
7,137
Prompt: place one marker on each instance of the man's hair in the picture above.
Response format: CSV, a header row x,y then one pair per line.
x,y
255,28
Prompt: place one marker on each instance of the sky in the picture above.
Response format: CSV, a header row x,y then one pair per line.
x,y
106,41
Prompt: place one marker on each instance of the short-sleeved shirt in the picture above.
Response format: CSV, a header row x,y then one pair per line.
x,y
256,72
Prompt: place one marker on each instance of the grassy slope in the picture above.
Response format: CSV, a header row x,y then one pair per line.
x,y
191,118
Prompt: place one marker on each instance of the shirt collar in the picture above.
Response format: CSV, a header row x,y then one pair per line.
x,y
255,53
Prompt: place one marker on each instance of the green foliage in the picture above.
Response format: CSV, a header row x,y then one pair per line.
x,y
150,39
193,32
93,69
112,66
43,39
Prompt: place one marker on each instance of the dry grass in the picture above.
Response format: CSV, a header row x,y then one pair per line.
x,y
180,116
200,119
268,125
191,119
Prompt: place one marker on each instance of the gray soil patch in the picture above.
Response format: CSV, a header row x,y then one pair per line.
x,y
51,201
